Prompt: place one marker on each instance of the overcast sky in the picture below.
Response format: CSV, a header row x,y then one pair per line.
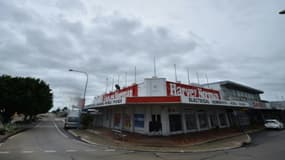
x,y
242,41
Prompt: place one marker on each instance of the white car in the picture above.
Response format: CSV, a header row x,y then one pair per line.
x,y
273,124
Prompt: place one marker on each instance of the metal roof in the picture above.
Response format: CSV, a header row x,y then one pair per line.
x,y
231,84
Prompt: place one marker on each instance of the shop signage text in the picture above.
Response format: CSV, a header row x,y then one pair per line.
x,y
177,89
213,102
130,91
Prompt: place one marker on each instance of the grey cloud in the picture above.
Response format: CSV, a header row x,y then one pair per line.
x,y
45,39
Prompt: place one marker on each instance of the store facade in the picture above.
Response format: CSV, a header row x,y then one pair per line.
x,y
160,107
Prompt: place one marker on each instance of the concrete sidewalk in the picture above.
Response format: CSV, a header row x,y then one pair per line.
x,y
166,144
18,129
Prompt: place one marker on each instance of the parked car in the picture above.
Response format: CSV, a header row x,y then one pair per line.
x,y
72,120
273,124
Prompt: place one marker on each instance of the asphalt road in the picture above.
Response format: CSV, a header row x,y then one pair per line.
x,y
48,141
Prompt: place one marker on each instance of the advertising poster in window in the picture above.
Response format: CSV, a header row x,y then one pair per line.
x,y
127,121
139,120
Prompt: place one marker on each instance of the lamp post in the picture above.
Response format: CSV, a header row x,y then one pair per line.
x,y
86,74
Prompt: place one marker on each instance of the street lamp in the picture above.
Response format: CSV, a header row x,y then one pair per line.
x,y
282,12
86,74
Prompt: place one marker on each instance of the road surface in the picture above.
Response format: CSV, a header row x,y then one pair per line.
x,y
48,141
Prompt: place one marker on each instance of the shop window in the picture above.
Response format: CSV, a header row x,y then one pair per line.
x,y
117,119
223,120
203,120
214,120
191,122
175,122
139,120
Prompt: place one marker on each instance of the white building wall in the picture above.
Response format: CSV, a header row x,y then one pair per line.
x,y
155,86
141,90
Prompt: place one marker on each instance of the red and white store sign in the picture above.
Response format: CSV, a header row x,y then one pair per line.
x,y
178,89
131,91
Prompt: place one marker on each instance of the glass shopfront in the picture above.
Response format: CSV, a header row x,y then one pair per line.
x,y
175,122
203,120
191,121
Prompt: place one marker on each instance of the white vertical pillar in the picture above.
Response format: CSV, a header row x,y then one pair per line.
x,y
227,119
197,120
209,119
165,121
147,119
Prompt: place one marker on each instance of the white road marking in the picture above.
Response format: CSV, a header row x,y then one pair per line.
x,y
4,152
109,150
71,150
90,150
59,130
26,152
50,151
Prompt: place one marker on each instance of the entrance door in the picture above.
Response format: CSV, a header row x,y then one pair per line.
x,y
155,123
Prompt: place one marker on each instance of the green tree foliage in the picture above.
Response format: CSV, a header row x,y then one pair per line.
x,y
27,95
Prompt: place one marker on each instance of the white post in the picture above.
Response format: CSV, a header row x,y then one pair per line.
x,y
197,74
175,73
154,67
188,75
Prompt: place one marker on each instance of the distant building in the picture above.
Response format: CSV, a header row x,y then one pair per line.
x,y
277,105
234,91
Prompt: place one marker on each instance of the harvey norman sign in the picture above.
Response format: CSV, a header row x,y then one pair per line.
x,y
178,89
193,100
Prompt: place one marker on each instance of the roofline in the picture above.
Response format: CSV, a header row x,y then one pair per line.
x,y
228,82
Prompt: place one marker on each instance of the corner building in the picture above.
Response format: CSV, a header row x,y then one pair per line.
x,y
160,107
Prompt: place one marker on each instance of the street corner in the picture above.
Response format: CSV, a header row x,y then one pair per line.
x,y
154,144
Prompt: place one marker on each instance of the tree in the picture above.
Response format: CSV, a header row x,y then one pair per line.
x,y
27,95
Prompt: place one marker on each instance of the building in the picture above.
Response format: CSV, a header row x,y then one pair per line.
x,y
234,91
258,111
160,107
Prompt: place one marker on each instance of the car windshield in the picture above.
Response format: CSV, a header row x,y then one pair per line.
x,y
271,121
73,119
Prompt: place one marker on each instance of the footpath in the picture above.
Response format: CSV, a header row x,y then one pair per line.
x,y
15,129
212,140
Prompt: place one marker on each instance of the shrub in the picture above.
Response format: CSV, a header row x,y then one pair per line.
x,y
86,120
